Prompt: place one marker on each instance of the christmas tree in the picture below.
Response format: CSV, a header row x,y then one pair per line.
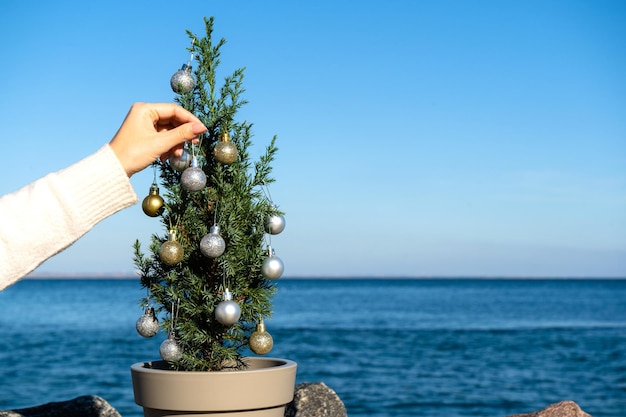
x,y
210,274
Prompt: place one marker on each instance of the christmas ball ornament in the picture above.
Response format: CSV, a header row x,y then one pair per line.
x,y
147,325
227,311
212,245
272,267
152,205
171,252
274,224
193,178
182,162
225,151
170,349
261,341
182,81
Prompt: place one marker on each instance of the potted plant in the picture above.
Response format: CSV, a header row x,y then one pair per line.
x,y
210,277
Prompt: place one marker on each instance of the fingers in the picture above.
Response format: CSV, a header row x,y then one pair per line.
x,y
172,117
170,113
174,123
182,133
176,151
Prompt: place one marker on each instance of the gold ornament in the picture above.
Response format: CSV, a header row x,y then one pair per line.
x,y
261,341
225,151
152,205
171,252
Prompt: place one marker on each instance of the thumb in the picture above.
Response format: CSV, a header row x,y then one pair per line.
x,y
183,133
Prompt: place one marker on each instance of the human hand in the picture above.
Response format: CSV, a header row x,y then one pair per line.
x,y
151,131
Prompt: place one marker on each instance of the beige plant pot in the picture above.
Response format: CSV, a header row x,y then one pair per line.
x,y
261,390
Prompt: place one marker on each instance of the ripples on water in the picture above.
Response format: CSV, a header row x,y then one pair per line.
x,y
466,373
388,348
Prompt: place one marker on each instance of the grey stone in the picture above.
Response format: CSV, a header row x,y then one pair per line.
x,y
560,409
315,400
310,400
84,406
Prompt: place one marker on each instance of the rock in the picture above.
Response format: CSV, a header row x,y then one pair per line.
x,y
561,409
309,400
315,400
85,406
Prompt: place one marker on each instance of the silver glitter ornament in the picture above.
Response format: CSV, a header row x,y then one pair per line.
x,y
182,81
147,325
182,162
274,224
193,178
272,267
170,349
261,341
212,244
227,311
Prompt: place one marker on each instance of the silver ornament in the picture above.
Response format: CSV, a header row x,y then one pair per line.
x,y
272,267
212,244
227,311
193,178
147,325
182,162
274,224
170,349
182,81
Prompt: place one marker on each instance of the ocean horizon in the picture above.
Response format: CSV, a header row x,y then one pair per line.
x,y
131,276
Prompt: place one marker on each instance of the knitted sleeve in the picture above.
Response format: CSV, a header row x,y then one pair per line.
x,y
48,215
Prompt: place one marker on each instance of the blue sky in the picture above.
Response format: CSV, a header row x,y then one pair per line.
x,y
417,138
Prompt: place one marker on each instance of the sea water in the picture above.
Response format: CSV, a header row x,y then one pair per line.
x,y
388,347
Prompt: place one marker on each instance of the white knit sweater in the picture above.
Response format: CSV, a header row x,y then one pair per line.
x,y
48,215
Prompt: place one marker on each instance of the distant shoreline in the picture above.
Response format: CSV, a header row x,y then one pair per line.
x,y
83,276
80,276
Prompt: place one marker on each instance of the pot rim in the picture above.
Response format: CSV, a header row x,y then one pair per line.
x,y
258,365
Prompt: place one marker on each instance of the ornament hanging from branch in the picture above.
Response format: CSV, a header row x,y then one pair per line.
x,y
182,82
212,244
170,349
182,162
275,222
261,341
147,325
225,151
272,267
171,252
153,204
193,178
227,311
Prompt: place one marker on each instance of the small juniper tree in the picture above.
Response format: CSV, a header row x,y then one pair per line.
x,y
185,295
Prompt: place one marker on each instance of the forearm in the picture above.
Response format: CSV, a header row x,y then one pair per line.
x,y
47,216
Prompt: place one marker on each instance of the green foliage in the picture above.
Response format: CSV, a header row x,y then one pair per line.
x,y
233,199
